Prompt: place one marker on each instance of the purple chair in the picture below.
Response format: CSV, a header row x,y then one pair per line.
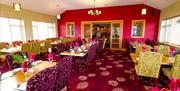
x,y
99,49
59,48
64,70
43,81
87,60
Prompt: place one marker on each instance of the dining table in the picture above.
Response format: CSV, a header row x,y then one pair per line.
x,y
69,53
10,50
16,80
165,59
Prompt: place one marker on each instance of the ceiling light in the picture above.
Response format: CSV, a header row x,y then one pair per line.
x,y
94,12
17,6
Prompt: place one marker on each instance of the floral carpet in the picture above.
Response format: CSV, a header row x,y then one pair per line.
x,y
114,71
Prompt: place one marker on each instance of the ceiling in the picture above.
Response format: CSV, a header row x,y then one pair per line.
x,y
51,6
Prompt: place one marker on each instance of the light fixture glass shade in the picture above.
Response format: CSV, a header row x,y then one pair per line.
x,y
94,12
58,16
17,6
143,12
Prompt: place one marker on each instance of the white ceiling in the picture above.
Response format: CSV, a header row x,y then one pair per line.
x,y
50,6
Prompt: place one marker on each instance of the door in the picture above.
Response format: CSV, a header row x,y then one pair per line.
x,y
116,34
86,30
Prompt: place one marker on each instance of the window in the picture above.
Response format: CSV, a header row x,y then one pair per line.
x,y
42,30
11,30
170,31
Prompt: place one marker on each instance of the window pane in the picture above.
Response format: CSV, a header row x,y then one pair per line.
x,y
170,31
43,30
11,30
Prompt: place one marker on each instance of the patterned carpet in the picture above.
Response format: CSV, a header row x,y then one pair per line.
x,y
113,72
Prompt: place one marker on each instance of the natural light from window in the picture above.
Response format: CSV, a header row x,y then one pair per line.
x,y
11,30
170,31
43,30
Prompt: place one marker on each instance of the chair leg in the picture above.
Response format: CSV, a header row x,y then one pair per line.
x,y
137,83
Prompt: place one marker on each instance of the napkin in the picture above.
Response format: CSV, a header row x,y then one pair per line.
x,y
144,48
31,57
77,44
24,66
50,56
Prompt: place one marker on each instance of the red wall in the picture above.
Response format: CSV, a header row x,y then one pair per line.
x,y
125,13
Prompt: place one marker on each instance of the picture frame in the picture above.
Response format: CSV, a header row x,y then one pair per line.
x,y
70,29
138,29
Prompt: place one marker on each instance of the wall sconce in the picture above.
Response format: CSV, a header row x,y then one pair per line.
x,y
17,6
58,16
143,11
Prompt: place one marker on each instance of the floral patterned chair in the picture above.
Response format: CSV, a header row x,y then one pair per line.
x,y
63,74
47,44
175,70
148,64
43,81
139,48
26,47
163,49
36,48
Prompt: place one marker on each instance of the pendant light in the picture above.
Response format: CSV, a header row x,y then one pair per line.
x,y
58,16
94,12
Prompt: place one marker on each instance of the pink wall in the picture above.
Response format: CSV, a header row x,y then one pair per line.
x,y
125,13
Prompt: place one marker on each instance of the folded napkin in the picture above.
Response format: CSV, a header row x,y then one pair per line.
x,y
24,66
31,57
50,56
77,44
172,50
71,45
156,50
144,48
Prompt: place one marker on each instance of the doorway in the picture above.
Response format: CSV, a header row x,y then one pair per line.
x,y
102,30
110,30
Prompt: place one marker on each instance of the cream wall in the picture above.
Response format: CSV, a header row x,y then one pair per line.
x,y
171,11
26,15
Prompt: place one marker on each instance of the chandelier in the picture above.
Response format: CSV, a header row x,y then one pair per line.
x,y
94,12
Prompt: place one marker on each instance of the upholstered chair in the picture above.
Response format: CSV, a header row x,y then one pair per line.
x,y
64,68
139,48
175,70
45,80
47,44
26,47
148,64
163,49
35,48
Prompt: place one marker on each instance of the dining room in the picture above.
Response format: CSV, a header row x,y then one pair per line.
x,y
89,45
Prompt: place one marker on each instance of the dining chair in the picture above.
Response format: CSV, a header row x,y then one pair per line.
x,y
64,67
99,49
148,65
139,48
36,48
43,81
129,47
163,49
47,44
84,62
26,47
2,45
175,70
